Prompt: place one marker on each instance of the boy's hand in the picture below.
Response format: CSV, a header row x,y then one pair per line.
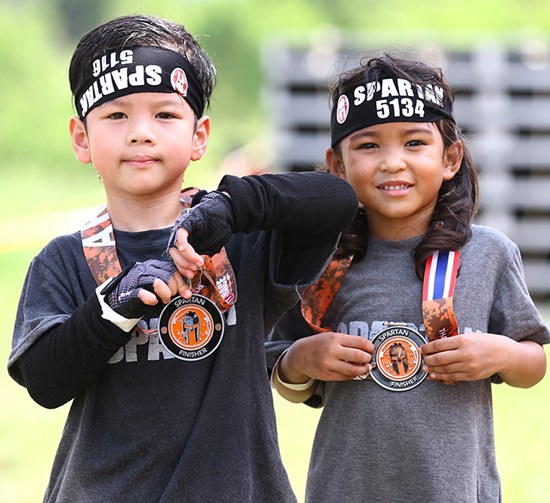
x,y
209,224
328,356
135,290
186,259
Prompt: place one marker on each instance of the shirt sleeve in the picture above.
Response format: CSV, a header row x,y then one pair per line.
x,y
61,343
514,313
304,204
289,329
69,357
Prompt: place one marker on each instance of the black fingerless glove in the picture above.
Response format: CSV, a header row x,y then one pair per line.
x,y
209,223
121,294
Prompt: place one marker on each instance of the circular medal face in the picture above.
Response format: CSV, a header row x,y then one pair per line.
x,y
191,329
398,358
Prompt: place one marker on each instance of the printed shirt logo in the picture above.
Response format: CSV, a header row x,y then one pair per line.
x,y
178,79
191,329
398,358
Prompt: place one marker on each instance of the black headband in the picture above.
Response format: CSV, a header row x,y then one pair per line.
x,y
388,100
141,69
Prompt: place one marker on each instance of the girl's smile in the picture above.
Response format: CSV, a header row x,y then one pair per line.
x,y
396,170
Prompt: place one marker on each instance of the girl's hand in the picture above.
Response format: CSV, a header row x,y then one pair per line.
x,y
328,356
475,356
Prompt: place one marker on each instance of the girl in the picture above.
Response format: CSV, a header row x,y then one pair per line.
x,y
440,305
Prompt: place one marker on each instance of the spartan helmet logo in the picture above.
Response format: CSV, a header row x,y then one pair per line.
x,y
191,327
178,79
399,359
342,109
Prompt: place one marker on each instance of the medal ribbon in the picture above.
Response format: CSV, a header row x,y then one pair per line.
x,y
98,243
437,294
317,298
437,307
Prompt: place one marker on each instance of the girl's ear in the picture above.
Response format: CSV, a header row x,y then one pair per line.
x,y
200,138
79,138
452,159
334,163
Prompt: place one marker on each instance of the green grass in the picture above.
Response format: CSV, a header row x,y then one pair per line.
x,y
29,434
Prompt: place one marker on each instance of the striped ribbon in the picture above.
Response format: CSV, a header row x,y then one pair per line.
x,y
437,294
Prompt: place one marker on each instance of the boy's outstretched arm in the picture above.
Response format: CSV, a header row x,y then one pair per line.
x,y
474,356
308,205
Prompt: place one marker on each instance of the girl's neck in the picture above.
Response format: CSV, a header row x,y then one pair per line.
x,y
397,228
395,232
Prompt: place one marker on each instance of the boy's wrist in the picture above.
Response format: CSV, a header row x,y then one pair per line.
x,y
109,314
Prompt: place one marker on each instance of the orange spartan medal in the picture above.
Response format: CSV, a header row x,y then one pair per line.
x,y
190,329
397,357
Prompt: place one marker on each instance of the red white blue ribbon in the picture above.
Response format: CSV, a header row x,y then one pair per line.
x,y
440,275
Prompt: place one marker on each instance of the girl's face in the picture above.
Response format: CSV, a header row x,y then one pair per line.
x,y
141,144
396,170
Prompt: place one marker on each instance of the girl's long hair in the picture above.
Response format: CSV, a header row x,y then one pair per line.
x,y
450,226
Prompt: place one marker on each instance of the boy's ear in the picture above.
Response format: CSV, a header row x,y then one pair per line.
x,y
452,159
200,138
334,163
79,139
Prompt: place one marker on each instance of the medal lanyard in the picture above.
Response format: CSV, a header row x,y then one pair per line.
x,y
437,295
98,243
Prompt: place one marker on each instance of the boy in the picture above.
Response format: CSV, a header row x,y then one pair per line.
x,y
159,412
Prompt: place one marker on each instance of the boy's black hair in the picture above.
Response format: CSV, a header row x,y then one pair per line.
x,y
457,202
141,30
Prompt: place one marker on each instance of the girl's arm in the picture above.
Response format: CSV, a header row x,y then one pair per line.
x,y
327,356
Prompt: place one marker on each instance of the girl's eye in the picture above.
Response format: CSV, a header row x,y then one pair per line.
x,y
367,146
415,143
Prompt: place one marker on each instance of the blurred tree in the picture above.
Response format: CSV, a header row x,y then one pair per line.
x,y
36,104
80,16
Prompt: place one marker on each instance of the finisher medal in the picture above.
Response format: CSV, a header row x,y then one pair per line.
x,y
191,329
398,358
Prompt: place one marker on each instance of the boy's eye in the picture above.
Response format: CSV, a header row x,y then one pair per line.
x,y
415,143
165,115
116,115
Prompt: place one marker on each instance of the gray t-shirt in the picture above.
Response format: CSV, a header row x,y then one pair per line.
x,y
155,428
435,442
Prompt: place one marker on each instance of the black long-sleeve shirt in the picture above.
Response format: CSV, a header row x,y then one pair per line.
x,y
146,426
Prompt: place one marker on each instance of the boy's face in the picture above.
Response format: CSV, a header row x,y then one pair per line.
x,y
396,170
141,144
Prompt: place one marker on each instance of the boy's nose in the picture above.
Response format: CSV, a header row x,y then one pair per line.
x,y
140,132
